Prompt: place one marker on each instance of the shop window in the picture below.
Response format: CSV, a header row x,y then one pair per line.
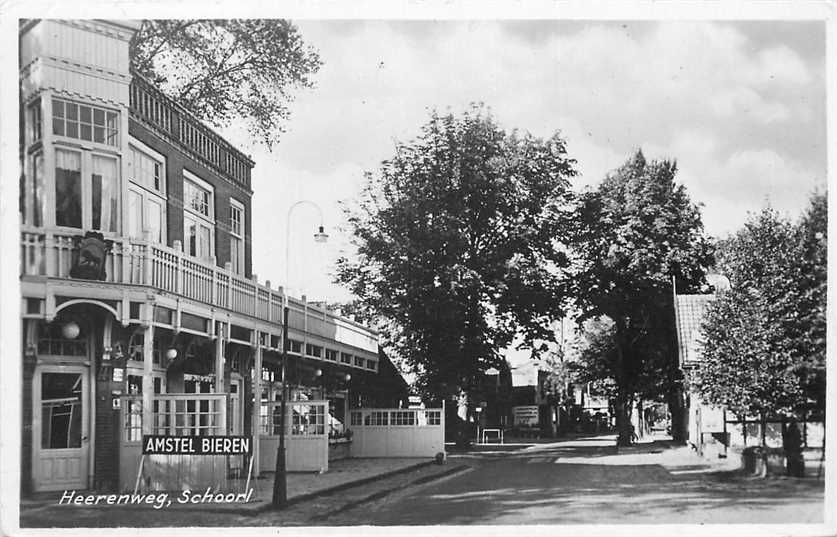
x,y
51,341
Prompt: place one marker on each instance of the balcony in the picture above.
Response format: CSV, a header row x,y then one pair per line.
x,y
145,263
166,117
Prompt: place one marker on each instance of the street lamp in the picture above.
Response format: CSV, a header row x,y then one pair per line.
x,y
320,236
280,481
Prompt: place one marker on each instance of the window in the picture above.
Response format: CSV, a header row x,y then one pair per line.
x,y
67,188
345,358
294,346
61,410
33,192
84,122
147,171
372,365
307,419
104,184
403,417
237,236
199,225
313,350
34,122
359,362
146,195
86,190
331,355
376,418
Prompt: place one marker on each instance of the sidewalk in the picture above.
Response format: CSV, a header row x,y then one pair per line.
x,y
344,473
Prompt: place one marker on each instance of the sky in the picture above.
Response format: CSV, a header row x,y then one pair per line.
x,y
739,105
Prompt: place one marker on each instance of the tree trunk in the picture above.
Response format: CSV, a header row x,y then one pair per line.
x,y
792,443
679,416
623,420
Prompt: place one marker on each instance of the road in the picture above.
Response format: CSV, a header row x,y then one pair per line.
x,y
587,482
584,481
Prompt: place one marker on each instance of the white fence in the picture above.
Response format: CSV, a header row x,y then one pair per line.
x,y
306,444
397,432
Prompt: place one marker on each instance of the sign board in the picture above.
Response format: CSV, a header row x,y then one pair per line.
x,y
153,444
526,416
711,419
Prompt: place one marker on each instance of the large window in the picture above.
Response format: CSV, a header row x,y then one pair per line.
x,y
198,217
85,122
68,199
237,236
86,190
32,194
146,195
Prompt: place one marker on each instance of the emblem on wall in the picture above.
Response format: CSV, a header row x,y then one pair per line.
x,y
90,254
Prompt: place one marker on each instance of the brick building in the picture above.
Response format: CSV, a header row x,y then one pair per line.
x,y
140,311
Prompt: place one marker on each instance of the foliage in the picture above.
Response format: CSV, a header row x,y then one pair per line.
x,y
636,231
764,340
225,70
455,238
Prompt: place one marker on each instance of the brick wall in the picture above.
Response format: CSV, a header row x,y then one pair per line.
x,y
176,162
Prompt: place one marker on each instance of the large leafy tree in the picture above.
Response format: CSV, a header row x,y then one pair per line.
x,y
636,232
764,339
226,70
456,245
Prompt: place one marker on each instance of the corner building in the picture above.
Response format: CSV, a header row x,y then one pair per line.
x,y
140,312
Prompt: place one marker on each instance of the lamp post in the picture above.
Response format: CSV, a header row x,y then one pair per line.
x,y
280,481
320,236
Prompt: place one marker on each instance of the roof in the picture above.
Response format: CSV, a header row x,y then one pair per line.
x,y
689,312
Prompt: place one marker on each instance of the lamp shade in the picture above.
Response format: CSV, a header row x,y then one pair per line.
x,y
321,235
171,354
70,330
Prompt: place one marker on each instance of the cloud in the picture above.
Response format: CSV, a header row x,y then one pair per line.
x,y
742,115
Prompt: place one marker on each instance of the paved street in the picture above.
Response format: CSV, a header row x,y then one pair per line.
x,y
586,481
577,481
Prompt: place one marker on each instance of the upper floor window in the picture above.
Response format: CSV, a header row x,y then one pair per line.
x,y
147,171
197,198
85,122
198,222
86,190
34,121
146,194
237,236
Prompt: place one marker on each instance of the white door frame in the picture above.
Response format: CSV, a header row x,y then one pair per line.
x,y
84,451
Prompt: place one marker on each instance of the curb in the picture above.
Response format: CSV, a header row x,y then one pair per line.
x,y
384,493
323,492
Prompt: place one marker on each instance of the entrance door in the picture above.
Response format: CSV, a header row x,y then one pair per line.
x,y
61,428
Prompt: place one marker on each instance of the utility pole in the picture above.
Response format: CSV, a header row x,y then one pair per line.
x,y
280,479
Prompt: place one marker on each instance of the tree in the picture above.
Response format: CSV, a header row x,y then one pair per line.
x,y
455,239
764,339
635,232
223,70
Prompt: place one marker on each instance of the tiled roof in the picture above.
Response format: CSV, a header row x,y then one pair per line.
x,y
689,316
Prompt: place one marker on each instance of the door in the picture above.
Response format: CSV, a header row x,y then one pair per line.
x,y
61,438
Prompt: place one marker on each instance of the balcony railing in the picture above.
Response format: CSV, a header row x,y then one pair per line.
x,y
140,262
153,108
